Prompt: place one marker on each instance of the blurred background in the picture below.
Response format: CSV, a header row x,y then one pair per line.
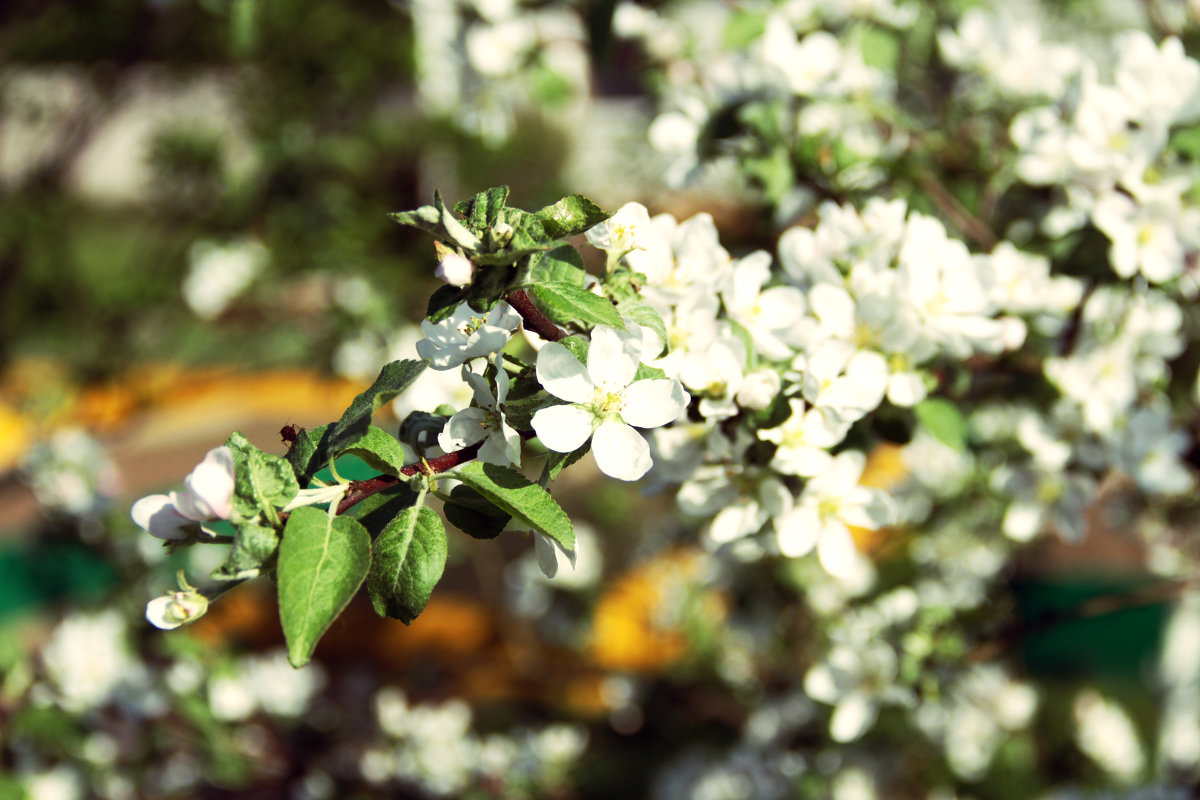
x,y
194,239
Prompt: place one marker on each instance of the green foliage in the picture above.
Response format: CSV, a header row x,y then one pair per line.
x,y
568,304
407,561
380,450
563,264
253,547
557,462
570,216
513,493
323,559
943,419
474,514
262,481
356,421
441,223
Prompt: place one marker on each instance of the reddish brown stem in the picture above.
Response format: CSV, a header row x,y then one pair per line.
x,y
534,319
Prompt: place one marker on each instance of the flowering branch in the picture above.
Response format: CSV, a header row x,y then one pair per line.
x,y
533,317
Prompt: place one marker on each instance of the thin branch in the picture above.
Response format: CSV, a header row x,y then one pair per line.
x,y
534,319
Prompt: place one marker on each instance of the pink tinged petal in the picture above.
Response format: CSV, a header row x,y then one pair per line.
x,y
653,403
562,375
157,515
836,550
563,429
212,484
463,430
621,452
613,357
797,531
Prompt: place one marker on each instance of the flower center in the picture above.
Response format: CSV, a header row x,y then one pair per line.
x,y
607,404
471,325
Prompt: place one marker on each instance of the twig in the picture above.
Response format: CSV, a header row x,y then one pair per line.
x,y
534,319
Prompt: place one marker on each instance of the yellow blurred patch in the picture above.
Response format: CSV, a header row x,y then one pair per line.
x,y
639,623
885,469
16,435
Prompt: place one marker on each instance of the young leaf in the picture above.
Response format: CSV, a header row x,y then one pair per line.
x,y
253,546
563,264
261,479
474,514
557,462
408,560
377,511
441,222
566,303
393,379
571,215
302,452
443,301
380,450
322,562
643,313
529,503
942,419
482,211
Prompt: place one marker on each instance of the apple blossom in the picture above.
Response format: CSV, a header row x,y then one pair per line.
x,y
484,422
466,334
208,497
604,402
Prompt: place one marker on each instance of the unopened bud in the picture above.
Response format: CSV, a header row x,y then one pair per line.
x,y
455,270
176,608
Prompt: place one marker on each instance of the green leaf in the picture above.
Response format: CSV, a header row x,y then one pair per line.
x,y
482,211
566,304
572,215
303,454
474,514
261,480
443,301
563,264
557,462
408,560
253,546
942,419
512,492
519,413
393,379
322,562
526,237
441,222
578,345
377,511
643,313
380,450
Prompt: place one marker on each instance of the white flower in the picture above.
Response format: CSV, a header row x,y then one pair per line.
x,y
209,497
829,504
455,270
604,402
465,335
175,609
804,440
623,231
484,422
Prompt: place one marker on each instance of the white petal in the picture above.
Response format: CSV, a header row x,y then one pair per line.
x,y
157,515
463,430
563,429
158,613
613,357
547,558
212,482
836,550
651,403
854,715
797,531
621,452
562,375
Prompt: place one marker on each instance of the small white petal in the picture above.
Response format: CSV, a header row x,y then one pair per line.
x,y
212,483
854,715
652,403
463,430
836,550
157,515
563,429
562,375
613,357
797,531
620,451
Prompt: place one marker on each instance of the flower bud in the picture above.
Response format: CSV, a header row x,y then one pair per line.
x,y
455,270
176,608
758,389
